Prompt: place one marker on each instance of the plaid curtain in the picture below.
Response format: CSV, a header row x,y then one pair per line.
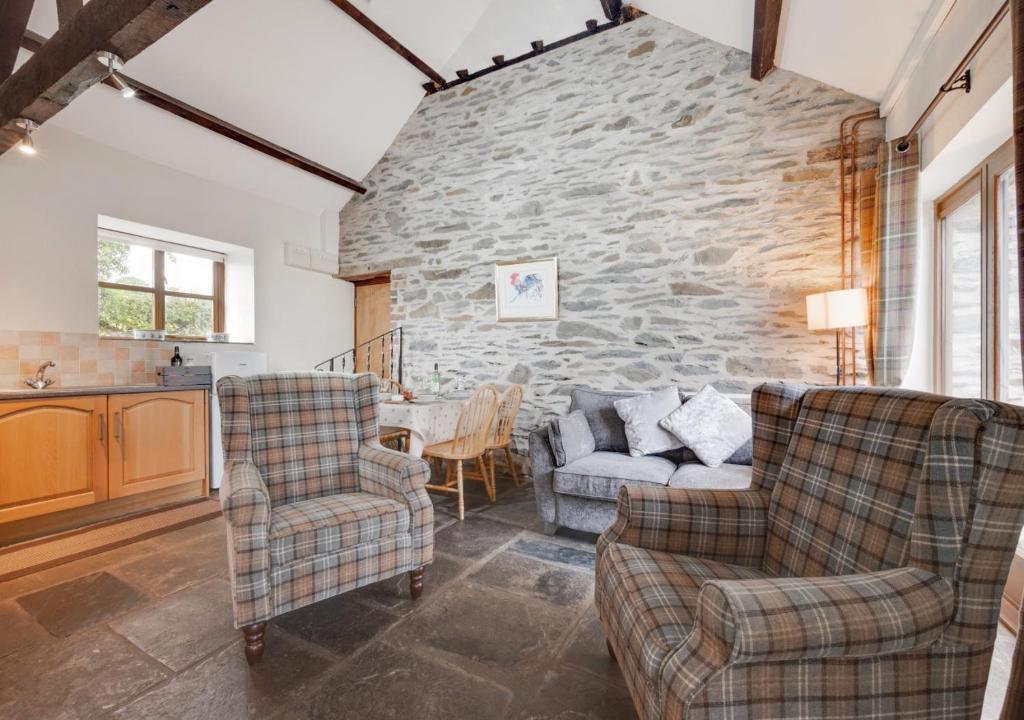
x,y
1013,705
891,259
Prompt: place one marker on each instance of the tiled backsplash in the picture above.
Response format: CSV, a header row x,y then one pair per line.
x,y
82,359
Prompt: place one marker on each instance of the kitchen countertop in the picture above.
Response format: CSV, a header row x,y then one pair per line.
x,y
30,394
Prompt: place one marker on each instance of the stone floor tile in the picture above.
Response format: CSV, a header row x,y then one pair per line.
x,y
560,584
390,683
587,649
76,678
341,624
76,604
568,695
224,687
544,549
488,626
473,538
183,628
393,593
521,513
18,629
170,569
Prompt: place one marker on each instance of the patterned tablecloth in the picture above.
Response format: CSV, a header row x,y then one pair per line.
x,y
431,421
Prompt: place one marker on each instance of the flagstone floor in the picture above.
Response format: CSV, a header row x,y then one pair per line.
x,y
506,628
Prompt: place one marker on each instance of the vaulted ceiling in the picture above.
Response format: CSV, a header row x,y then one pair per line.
x,y
306,76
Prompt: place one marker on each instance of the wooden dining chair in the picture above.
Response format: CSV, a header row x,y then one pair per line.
x,y
470,443
501,433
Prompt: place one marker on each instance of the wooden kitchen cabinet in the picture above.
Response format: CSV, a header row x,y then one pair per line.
x,y
53,455
157,441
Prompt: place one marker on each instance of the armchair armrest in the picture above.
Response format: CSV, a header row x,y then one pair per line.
x,y
725,525
244,499
865,615
542,462
245,502
401,477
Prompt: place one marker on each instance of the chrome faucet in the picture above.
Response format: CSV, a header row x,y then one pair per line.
x,y
40,381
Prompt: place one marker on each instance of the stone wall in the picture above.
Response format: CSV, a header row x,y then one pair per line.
x,y
691,210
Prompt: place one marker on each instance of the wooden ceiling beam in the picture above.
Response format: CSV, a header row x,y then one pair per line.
x,y
612,8
381,34
14,16
767,17
627,14
67,8
67,65
150,95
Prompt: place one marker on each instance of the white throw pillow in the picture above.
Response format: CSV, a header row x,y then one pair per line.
x,y
641,415
711,425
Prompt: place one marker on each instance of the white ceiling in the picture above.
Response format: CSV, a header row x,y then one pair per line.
x,y
303,75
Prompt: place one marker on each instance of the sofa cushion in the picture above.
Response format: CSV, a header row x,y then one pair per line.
x,y
327,524
649,598
711,425
570,437
641,415
601,474
697,476
599,408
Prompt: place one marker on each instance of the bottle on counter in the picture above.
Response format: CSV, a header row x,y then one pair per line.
x,y
176,360
435,381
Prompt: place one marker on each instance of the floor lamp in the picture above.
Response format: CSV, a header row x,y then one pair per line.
x,y
837,310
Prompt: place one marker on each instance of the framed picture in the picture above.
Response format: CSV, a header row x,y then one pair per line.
x,y
526,290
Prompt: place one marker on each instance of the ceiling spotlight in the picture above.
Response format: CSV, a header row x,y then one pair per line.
x,y
115,65
27,144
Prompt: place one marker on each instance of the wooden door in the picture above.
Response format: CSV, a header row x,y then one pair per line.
x,y
158,440
372,320
52,455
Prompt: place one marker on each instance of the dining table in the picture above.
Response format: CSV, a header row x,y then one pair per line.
x,y
429,421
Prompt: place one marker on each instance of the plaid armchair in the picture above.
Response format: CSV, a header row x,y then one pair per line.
x,y
859,577
314,505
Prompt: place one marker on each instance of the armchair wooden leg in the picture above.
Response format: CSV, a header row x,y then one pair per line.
x,y
254,641
416,583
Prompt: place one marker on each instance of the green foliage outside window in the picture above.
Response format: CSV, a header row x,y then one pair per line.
x,y
121,311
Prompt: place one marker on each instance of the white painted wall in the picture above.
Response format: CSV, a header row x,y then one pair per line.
x,y
49,204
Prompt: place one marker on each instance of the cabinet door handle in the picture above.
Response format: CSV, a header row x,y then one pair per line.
x,y
119,432
103,430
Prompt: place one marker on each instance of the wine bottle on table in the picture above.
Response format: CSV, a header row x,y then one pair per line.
x,y
435,381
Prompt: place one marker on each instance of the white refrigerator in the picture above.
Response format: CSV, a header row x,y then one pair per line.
x,y
223,363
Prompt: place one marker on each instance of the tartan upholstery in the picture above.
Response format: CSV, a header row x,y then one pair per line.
x,y
314,506
844,498
652,596
327,524
724,525
888,537
774,408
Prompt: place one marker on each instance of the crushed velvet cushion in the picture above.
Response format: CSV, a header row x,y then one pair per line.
x,y
570,437
641,415
601,474
711,425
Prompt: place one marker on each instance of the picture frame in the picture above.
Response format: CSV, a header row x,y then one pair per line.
x,y
526,290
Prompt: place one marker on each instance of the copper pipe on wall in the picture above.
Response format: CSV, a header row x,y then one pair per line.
x,y
960,69
849,234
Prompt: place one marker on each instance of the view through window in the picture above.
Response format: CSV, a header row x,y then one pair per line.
x,y
152,285
978,323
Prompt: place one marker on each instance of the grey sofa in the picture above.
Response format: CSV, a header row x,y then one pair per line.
x,y
581,494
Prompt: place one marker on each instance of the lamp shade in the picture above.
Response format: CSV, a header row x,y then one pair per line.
x,y
837,309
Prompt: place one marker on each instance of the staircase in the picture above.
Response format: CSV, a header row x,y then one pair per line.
x,y
381,355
